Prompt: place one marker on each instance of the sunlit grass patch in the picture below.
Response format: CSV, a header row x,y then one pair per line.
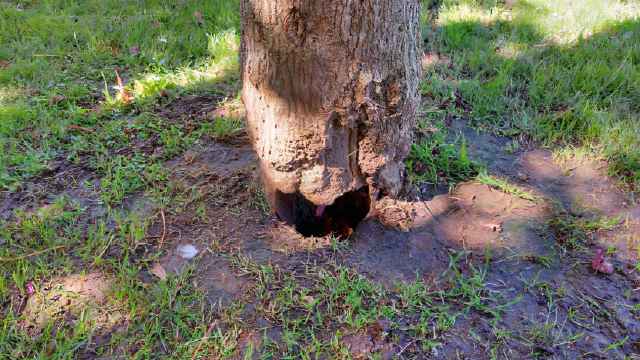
x,y
559,72
10,94
505,186
224,65
565,21
67,55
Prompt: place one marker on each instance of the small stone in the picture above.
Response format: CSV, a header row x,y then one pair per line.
x,y
187,251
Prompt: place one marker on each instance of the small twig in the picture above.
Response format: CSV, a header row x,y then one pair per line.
x,y
164,228
205,337
106,247
80,128
405,347
35,253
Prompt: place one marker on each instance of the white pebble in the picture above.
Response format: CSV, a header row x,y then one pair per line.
x,y
187,251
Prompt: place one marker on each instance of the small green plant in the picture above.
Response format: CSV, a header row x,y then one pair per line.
x,y
573,232
436,160
123,176
504,186
174,141
223,127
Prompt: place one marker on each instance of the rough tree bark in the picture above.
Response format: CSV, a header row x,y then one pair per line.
x,y
331,92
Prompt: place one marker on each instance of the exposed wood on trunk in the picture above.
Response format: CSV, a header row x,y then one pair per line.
x,y
331,91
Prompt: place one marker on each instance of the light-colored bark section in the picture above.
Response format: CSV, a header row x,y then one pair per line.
x,y
330,89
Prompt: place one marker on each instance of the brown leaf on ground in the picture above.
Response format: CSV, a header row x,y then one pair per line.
x,y
199,17
134,50
123,94
4,64
56,99
79,128
600,264
159,271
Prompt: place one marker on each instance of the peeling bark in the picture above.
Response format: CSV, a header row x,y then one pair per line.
x,y
331,92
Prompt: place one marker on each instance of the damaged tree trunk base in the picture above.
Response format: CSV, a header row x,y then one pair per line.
x,y
339,218
331,92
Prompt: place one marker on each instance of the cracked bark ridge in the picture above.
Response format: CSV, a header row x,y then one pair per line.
x,y
331,92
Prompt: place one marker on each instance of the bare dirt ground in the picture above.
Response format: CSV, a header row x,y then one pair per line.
x,y
535,255
551,291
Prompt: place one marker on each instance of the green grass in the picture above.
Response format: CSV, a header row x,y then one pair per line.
x,y
308,303
505,186
59,102
574,231
434,159
62,57
561,72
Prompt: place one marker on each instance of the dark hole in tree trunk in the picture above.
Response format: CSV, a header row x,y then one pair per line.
x,y
339,218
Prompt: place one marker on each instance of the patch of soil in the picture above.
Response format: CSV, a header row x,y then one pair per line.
x,y
578,185
218,216
189,108
61,179
561,308
63,300
557,306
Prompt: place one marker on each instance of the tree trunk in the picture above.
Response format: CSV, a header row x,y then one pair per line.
x,y
331,92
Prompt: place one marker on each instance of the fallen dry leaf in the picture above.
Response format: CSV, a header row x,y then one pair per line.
x,y
79,128
134,50
199,17
4,64
56,99
600,264
159,271
123,94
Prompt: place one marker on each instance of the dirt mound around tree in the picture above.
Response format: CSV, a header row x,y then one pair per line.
x,y
519,239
